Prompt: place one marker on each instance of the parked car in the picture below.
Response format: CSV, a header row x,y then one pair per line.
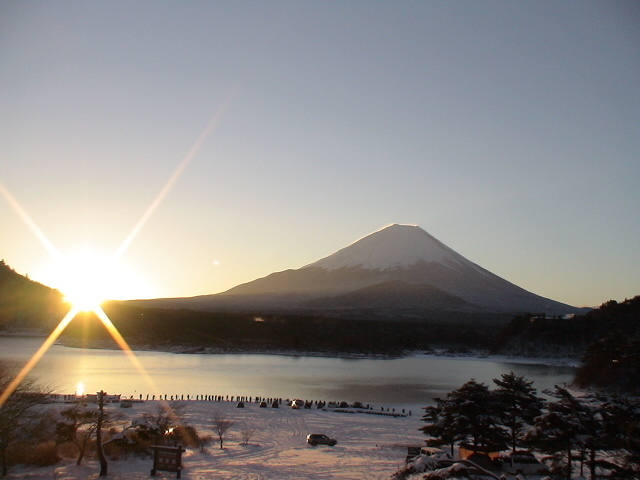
x,y
314,439
524,463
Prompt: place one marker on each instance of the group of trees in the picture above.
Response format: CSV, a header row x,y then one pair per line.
x,y
594,430
81,425
599,431
166,425
480,418
27,426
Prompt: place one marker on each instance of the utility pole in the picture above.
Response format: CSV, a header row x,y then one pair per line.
x,y
101,456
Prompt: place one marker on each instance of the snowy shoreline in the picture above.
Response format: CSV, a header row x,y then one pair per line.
x,y
435,353
471,355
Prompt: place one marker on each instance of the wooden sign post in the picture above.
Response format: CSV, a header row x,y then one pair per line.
x,y
168,459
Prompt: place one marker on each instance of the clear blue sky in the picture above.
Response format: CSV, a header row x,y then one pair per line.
x,y
508,130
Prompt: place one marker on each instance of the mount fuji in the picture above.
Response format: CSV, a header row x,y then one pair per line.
x,y
399,271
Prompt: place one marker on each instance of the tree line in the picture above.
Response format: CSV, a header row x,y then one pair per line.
x,y
197,331
606,340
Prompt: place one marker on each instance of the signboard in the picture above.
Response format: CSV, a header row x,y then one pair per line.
x,y
168,459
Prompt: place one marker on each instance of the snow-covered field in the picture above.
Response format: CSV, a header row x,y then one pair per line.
x,y
369,446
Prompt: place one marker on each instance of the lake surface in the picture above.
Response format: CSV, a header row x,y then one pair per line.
x,y
407,381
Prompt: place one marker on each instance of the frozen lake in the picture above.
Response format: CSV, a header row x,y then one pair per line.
x,y
414,380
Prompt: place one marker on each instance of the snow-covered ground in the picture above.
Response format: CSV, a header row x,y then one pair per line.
x,y
369,446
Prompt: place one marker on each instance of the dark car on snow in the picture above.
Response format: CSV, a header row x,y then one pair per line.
x,y
314,439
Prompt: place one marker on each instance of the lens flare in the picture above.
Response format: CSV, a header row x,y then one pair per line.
x,y
38,355
195,148
88,281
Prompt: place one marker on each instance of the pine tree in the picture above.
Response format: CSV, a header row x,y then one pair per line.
x,y
621,417
518,405
468,415
560,428
438,426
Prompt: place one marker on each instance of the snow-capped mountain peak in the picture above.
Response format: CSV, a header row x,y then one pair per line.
x,y
394,246
397,272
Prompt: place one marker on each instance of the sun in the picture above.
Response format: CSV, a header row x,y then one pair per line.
x,y
87,278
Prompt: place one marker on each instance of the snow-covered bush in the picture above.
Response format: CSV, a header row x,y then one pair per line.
x,y
420,464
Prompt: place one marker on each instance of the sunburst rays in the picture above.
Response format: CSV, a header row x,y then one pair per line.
x,y
35,358
97,309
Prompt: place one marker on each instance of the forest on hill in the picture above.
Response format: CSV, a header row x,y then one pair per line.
x,y
537,335
25,304
606,340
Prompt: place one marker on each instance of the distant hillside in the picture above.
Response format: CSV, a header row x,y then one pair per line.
x,y
25,304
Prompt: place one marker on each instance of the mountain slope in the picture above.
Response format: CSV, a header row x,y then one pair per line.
x,y
397,269
395,295
26,304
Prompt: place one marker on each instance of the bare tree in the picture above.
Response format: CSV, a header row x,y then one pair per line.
x,y
20,414
203,441
221,425
246,433
101,418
